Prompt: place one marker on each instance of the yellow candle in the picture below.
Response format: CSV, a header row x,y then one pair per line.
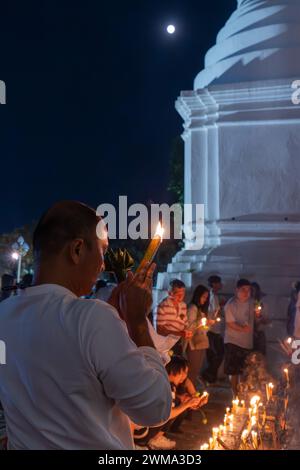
x,y
254,439
215,432
267,392
244,435
152,247
254,400
235,404
211,443
286,371
271,386
253,421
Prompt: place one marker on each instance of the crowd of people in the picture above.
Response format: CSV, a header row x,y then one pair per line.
x,y
88,373
213,332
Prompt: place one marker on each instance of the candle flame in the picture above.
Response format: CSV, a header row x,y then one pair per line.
x,y
159,231
254,400
289,340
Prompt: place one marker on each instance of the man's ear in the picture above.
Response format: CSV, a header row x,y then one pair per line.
x,y
75,250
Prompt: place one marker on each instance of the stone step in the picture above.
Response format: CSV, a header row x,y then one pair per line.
x,y
182,258
184,267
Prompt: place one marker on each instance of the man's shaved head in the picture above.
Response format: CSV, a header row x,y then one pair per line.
x,y
63,222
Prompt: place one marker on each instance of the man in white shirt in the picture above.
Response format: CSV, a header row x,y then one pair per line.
x,y
239,317
76,373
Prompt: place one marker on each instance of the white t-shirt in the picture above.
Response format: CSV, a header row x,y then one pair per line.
x,y
73,376
241,313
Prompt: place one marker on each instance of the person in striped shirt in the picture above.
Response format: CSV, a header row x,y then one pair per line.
x,y
171,315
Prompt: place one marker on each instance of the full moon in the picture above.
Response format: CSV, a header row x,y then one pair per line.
x,y
171,29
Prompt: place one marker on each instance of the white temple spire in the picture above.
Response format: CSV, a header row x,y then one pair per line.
x,y
260,41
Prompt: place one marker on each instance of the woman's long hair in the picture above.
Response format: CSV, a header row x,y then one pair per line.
x,y
198,292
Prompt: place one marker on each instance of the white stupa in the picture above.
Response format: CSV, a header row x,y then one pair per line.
x,y
242,156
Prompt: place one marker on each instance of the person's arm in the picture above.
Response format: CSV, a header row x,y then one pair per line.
x,y
232,324
191,403
189,387
134,377
264,318
163,331
235,326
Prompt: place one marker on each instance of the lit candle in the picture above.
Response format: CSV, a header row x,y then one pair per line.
x,y
267,392
211,443
254,400
204,446
152,248
253,421
254,439
215,432
203,321
286,371
250,412
218,319
289,341
244,435
235,404
271,386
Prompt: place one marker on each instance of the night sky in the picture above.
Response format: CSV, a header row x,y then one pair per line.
x,y
91,87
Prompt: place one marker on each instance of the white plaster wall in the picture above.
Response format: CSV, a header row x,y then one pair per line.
x,y
259,169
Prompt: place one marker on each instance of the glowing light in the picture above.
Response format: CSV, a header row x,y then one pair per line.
x,y
254,400
15,255
171,29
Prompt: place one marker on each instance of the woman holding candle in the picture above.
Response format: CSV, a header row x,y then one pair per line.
x,y
198,344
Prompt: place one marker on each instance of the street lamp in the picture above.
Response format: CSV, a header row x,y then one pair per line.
x,y
20,248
